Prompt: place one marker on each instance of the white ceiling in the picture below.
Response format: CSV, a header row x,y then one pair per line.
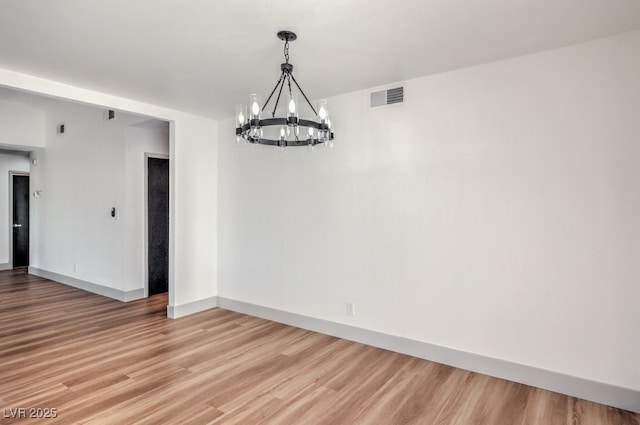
x,y
204,56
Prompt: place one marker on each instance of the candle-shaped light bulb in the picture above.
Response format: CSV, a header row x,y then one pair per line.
x,y
241,118
292,110
241,115
282,141
255,103
323,112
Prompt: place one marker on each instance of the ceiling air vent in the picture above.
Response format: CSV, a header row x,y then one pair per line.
x,y
387,97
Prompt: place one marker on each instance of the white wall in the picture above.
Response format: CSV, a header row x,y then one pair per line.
x,y
95,165
194,193
139,140
193,140
20,125
496,212
82,175
8,162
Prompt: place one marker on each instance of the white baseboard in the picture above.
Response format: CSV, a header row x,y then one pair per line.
x,y
88,286
177,311
5,266
611,395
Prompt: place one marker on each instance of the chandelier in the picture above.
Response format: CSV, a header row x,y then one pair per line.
x,y
290,129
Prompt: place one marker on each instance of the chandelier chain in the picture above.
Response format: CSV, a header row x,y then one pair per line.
x,y
286,51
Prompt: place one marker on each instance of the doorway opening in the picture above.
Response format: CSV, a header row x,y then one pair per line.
x,y
19,195
157,223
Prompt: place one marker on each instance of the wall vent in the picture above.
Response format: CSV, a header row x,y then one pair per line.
x,y
386,97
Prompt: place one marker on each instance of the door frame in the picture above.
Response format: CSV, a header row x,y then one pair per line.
x,y
148,155
11,174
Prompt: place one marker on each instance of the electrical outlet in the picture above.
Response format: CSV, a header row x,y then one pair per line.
x,y
75,268
351,309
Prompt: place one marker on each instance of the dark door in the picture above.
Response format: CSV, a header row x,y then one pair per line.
x,y
158,225
20,221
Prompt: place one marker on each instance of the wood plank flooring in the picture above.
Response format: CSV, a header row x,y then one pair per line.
x,y
100,361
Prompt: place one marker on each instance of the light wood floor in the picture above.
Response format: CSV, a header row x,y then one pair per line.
x,y
99,361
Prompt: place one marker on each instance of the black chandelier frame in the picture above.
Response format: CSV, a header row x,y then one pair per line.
x,y
322,126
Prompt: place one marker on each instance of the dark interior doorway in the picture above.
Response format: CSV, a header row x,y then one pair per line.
x,y
158,225
20,225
